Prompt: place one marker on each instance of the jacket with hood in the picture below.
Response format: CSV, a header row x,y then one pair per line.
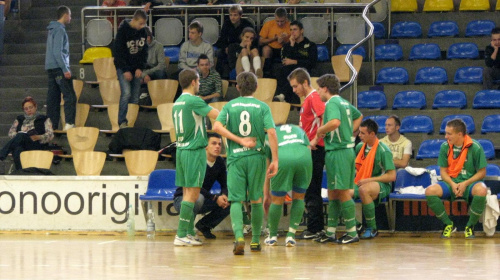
x,y
57,53
130,48
156,59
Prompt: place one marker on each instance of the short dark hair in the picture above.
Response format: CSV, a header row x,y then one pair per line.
x,y
370,124
297,23
495,30
396,119
213,134
202,56
331,82
62,10
196,25
248,30
280,12
300,75
247,83
28,99
140,14
186,77
458,125
236,8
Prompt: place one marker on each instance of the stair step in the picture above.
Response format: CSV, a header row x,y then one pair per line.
x,y
36,48
17,36
21,71
13,81
31,59
39,24
49,12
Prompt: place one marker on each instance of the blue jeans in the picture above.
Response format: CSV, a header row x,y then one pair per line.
x,y
57,85
130,94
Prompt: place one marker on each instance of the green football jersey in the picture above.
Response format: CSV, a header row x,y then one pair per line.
x,y
290,138
188,114
475,160
383,158
340,138
246,117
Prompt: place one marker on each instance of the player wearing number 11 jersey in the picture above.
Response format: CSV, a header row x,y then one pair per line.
x,y
244,121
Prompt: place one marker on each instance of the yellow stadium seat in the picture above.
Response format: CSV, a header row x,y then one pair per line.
x,y
404,6
474,5
438,6
498,5
36,158
94,53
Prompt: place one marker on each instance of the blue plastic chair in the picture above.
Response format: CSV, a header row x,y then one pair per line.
x,y
406,29
431,75
479,28
173,53
450,99
372,99
490,124
409,99
343,49
429,149
417,124
488,147
392,75
492,170
425,51
379,30
389,52
463,51
469,75
468,120
486,99
323,53
443,29
161,185
232,75
380,120
436,168
405,179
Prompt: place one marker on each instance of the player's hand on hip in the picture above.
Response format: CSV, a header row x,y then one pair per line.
x,y
248,142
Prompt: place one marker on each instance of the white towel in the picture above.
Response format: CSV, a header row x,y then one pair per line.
x,y
412,190
490,214
415,171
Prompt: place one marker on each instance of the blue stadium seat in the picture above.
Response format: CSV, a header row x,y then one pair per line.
x,y
389,52
468,120
469,75
343,49
380,120
372,99
161,185
492,170
232,75
413,99
450,99
172,52
425,51
479,28
417,124
378,30
489,99
443,29
405,179
491,123
488,147
463,51
392,75
323,53
406,29
429,148
431,75
434,167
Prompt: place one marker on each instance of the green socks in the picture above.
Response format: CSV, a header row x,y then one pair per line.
x,y
369,212
437,207
296,214
476,209
273,218
349,214
190,229
334,208
257,219
185,218
237,219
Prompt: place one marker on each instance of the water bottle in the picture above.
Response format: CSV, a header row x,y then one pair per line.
x,y
150,225
130,221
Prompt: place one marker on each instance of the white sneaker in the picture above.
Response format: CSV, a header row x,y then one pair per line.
x,y
290,242
68,126
195,238
271,241
247,229
265,232
280,97
185,241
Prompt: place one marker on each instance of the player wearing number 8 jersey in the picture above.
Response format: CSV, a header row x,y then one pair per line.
x,y
189,113
244,121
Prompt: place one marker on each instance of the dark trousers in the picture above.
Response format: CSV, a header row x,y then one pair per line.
x,y
313,199
490,74
202,206
20,143
283,85
222,66
57,85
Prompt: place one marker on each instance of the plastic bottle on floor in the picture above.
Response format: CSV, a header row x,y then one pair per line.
x,y
150,225
130,221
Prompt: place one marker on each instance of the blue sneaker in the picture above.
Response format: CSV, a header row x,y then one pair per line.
x,y
369,233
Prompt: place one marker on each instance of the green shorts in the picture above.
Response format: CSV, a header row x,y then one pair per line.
x,y
246,175
340,169
385,190
294,172
190,168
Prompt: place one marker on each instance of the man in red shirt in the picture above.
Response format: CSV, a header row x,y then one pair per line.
x,y
311,116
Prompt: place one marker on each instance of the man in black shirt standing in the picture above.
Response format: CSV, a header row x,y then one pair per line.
x,y
216,204
492,59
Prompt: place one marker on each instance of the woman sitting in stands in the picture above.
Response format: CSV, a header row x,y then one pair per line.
x,y
31,131
244,56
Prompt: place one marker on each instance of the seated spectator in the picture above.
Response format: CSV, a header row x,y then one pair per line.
x,y
210,81
155,67
114,3
273,35
399,145
299,52
492,59
31,131
244,56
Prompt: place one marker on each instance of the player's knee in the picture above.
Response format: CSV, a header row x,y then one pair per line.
x,y
479,189
254,52
432,190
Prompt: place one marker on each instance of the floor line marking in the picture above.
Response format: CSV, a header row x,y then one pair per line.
x,y
106,242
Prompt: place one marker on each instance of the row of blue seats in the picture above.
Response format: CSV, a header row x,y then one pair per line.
x,y
415,99
412,29
430,148
431,51
430,75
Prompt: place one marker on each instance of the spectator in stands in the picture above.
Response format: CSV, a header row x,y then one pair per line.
x,y
31,131
216,204
210,81
463,167
375,172
492,58
399,145
146,4
58,69
114,3
130,52
244,56
299,52
155,66
273,35
230,34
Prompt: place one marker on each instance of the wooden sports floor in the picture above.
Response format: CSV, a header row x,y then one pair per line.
x,y
112,256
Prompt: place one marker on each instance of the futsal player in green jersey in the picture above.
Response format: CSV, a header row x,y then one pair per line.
x,y
463,167
189,113
294,175
244,122
340,120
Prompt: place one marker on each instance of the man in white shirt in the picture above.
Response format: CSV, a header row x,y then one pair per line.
x,y
400,146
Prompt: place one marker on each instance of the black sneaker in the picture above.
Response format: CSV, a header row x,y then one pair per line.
x,y
255,247
310,235
360,228
324,238
239,247
205,231
346,239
